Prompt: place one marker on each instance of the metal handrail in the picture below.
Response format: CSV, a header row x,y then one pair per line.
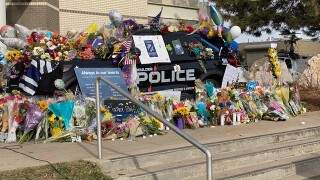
x,y
154,114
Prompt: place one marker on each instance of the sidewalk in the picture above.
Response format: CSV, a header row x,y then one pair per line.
x,y
63,152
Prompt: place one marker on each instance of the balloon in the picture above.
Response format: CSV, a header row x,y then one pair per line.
x,y
23,32
14,42
234,46
203,17
216,16
7,31
115,17
93,28
219,30
59,84
226,35
49,34
235,32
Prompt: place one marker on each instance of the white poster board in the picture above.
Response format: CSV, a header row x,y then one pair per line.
x,y
231,75
171,94
153,49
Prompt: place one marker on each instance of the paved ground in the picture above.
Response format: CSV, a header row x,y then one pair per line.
x,y
61,152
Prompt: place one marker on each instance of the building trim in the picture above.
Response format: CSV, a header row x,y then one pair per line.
x,y
97,13
171,5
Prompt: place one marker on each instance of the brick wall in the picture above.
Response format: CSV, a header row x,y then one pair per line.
x,y
33,13
80,14
182,3
29,16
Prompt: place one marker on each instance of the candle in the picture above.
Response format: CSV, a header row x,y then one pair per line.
x,y
234,118
238,117
222,120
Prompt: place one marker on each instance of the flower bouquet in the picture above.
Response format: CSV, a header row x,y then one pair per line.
x,y
34,116
19,113
212,110
151,125
180,112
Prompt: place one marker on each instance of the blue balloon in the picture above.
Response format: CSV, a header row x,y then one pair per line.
x,y
49,34
234,46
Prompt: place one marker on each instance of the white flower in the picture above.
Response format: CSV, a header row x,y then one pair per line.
x,y
212,107
79,112
43,56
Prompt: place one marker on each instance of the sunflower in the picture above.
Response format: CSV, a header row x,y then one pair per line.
x,y
103,109
8,57
43,105
14,54
158,96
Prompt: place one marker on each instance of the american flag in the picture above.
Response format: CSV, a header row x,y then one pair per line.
x,y
127,45
128,60
156,20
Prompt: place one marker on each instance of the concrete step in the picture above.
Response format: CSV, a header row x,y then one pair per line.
x,y
313,174
274,170
295,168
194,167
230,146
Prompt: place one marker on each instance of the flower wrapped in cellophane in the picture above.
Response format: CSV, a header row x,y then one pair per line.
x,y
34,116
275,111
19,113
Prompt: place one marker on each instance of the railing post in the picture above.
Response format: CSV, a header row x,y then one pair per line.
x,y
154,114
98,117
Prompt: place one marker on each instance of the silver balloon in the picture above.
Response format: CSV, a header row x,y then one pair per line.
x,y
7,31
23,32
115,17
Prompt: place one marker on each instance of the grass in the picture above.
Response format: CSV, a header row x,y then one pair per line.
x,y
78,170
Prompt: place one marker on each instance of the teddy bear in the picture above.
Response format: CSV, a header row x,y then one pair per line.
x,y
224,103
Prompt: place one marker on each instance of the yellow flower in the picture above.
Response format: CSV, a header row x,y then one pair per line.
x,y
60,118
8,57
43,105
112,98
107,116
103,109
117,47
158,96
147,121
51,119
54,116
156,121
56,132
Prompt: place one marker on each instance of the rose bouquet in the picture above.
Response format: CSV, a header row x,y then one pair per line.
x,y
19,113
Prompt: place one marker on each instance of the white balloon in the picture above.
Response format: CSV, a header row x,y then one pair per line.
x,y
115,17
235,32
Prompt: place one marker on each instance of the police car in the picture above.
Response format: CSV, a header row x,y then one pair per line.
x,y
164,76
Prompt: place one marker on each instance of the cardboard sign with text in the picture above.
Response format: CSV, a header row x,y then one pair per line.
x,y
121,108
87,78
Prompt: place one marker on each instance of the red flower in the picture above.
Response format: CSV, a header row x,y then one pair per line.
x,y
165,30
189,29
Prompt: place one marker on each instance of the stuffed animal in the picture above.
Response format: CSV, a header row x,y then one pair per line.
x,y
224,102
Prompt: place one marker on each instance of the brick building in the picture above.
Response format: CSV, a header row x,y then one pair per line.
x,y
63,15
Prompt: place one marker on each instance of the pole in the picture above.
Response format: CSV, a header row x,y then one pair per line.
x,y
98,118
3,16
